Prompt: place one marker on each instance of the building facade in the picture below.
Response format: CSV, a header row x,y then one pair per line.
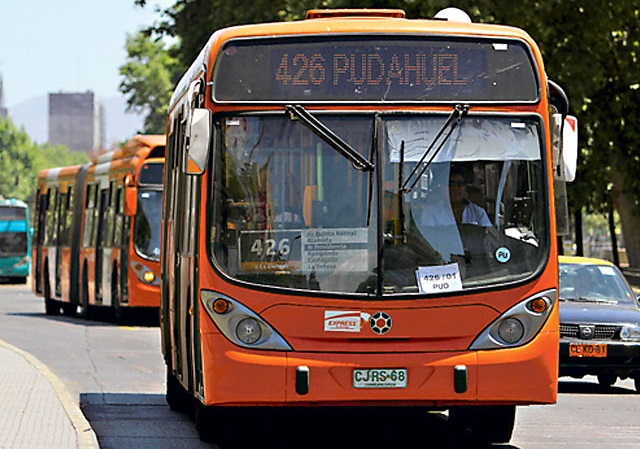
x,y
76,120
4,111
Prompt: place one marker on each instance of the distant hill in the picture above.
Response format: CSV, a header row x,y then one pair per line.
x,y
33,114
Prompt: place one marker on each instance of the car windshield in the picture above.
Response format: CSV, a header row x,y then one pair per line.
x,y
434,212
594,283
146,234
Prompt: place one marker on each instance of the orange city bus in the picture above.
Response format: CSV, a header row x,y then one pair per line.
x,y
55,247
313,252
98,231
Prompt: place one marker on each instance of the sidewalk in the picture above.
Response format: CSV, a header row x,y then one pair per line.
x,y
36,410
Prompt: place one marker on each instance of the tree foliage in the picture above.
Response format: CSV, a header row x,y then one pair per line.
x,y
148,79
590,48
21,160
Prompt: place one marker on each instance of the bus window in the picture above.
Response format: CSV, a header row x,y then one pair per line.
x,y
284,188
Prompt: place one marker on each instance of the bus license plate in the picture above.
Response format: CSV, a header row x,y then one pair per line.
x,y
380,378
587,350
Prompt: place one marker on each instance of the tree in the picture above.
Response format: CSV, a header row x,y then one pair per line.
x,y
21,160
149,77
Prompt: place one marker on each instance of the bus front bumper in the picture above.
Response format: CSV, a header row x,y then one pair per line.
x,y
238,377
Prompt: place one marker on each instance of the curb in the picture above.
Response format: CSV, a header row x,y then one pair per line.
x,y
86,436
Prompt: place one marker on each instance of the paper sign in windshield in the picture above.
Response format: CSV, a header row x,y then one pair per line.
x,y
324,250
440,279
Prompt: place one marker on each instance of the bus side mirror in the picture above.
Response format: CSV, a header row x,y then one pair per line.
x,y
199,139
565,146
130,201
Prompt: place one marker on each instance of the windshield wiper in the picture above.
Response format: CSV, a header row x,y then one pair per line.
x,y
458,113
322,131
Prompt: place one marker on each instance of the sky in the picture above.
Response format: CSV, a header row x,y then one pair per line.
x,y
49,46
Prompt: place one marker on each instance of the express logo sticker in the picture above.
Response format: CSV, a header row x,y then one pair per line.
x,y
344,321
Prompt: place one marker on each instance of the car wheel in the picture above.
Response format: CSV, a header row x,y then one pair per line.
x,y
607,379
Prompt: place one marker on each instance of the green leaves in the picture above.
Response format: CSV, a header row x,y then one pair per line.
x,y
148,80
21,160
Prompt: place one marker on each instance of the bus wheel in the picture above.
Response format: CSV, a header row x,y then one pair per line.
x,y
492,424
51,307
206,418
87,313
69,309
119,313
177,397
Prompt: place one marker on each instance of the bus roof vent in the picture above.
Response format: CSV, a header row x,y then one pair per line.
x,y
453,15
325,13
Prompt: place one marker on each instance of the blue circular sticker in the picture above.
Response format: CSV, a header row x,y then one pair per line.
x,y
503,255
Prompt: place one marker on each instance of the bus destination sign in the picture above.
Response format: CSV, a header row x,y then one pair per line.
x,y
374,71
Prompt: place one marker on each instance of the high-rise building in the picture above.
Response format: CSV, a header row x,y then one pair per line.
x,y
77,121
4,111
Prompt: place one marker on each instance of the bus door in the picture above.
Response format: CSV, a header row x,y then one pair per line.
x,y
61,213
41,219
101,248
183,289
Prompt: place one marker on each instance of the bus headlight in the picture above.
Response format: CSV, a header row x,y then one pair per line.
x,y
145,274
248,330
22,262
511,330
241,325
518,325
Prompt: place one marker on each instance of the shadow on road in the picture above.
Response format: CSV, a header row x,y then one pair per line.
x,y
578,386
124,421
141,318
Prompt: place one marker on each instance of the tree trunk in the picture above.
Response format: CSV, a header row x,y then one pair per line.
x,y
612,233
629,218
579,238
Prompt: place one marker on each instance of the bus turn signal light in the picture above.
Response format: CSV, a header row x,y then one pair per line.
x,y
538,305
220,306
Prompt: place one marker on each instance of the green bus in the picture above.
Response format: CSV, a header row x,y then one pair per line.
x,y
15,241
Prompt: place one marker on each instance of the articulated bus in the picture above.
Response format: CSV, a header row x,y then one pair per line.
x,y
98,232
15,241
359,212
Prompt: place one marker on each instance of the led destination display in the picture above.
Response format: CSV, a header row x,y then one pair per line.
x,y
384,69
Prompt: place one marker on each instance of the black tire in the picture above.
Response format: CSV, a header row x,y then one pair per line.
x,y
87,313
606,380
488,424
119,313
51,307
177,397
205,419
69,309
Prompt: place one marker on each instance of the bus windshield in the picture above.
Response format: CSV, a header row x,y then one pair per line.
x,y
13,244
13,213
465,213
146,234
